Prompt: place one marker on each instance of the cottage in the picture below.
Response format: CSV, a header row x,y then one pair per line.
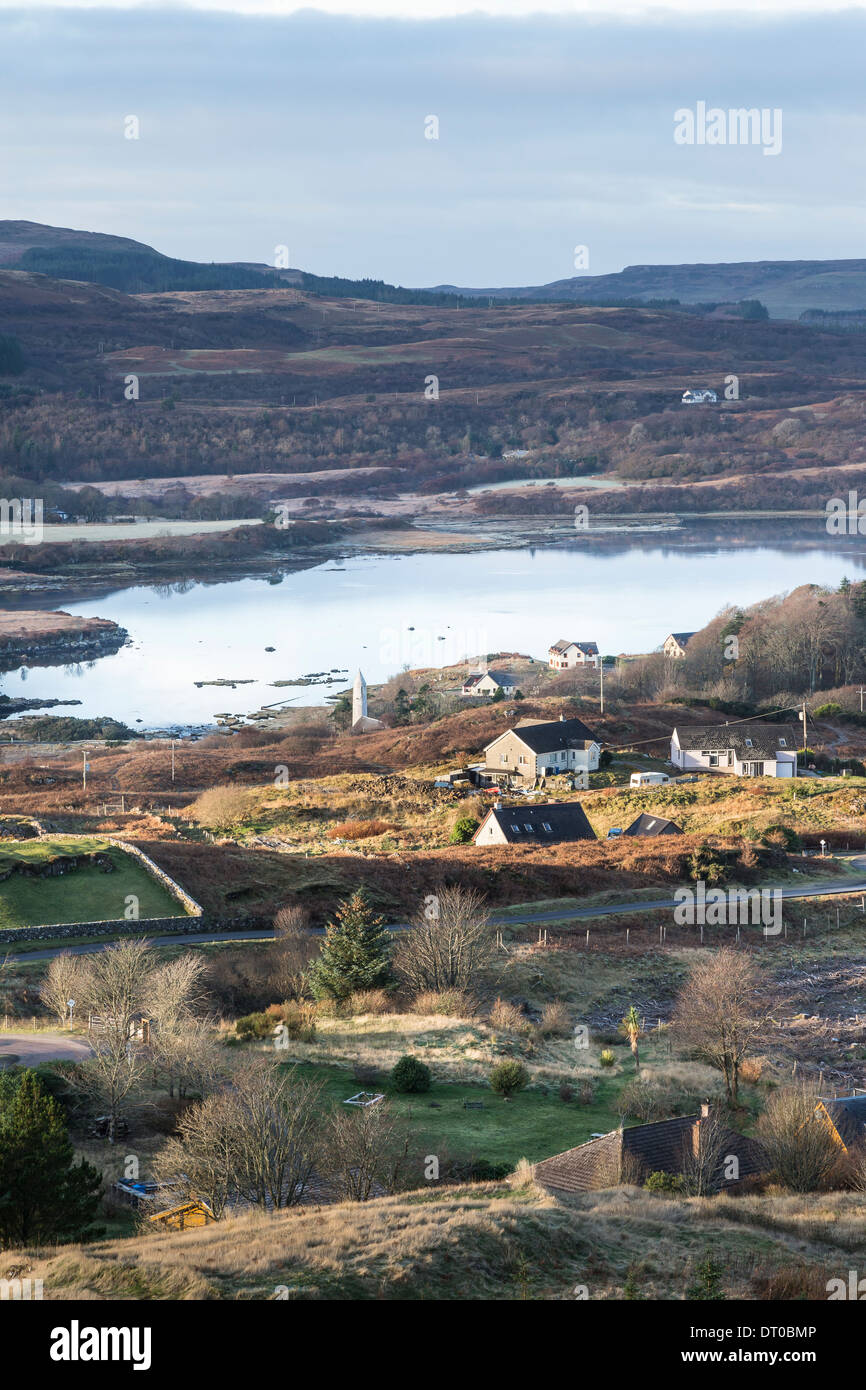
x,y
699,395
675,644
645,824
489,682
630,1155
551,824
540,748
746,750
565,655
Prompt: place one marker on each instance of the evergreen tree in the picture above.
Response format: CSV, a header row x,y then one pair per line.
x,y
355,952
44,1195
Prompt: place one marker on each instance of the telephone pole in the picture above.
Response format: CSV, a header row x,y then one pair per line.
x,y
172,760
601,681
84,768
803,717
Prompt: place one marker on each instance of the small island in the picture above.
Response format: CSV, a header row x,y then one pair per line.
x,y
38,638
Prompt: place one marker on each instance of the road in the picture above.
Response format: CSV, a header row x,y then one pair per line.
x,y
837,888
32,1048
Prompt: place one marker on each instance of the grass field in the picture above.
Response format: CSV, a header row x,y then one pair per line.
x,y
85,895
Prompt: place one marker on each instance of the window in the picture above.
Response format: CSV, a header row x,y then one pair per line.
x,y
748,743
516,829
528,828
545,826
782,743
714,760
503,757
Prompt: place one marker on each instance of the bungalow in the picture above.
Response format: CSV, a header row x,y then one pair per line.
x,y
564,655
746,750
488,682
553,824
539,748
630,1155
675,644
645,824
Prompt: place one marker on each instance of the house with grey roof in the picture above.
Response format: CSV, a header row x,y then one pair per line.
x,y
488,682
744,750
675,644
630,1155
565,655
558,822
845,1117
537,748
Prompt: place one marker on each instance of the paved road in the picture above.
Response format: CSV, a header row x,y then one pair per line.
x,y
819,889
32,1048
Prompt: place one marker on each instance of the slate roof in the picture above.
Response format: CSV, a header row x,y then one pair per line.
x,y
625,1155
645,824
848,1114
556,822
501,678
548,736
588,648
765,739
681,637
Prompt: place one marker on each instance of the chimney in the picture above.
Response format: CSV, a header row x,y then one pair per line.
x,y
562,719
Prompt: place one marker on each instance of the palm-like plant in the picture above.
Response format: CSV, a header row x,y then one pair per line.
x,y
632,1028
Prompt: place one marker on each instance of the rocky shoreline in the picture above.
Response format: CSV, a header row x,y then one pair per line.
x,y
33,638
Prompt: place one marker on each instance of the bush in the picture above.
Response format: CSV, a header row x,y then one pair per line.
x,y
463,830
411,1077
369,1001
506,1015
781,837
607,1058
255,1026
640,1100
300,1020
359,829
450,1003
220,808
566,1092
555,1022
664,1182
508,1077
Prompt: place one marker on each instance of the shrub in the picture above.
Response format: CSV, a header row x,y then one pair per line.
x,y
463,830
607,1058
781,837
300,1020
411,1077
451,1003
259,1025
506,1015
220,808
359,829
369,1001
566,1092
664,1182
508,1077
641,1101
555,1022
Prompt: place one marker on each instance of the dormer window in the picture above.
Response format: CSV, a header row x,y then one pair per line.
x,y
516,829
748,743
545,826
528,828
782,743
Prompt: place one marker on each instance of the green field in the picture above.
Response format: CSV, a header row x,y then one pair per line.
x,y
531,1125
85,895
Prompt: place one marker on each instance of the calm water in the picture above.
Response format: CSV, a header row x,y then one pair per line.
x,y
386,612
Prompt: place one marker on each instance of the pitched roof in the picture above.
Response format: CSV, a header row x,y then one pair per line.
x,y
588,648
554,823
500,677
548,736
681,637
747,740
626,1154
645,824
848,1114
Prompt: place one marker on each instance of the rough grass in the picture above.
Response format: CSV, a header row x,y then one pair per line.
x,y
484,1241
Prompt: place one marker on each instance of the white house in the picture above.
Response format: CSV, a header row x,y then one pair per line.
x,y
699,396
488,682
675,644
745,750
534,748
564,655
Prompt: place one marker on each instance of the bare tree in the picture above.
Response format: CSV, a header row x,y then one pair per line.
x,y
703,1157
798,1139
450,941
368,1150
114,987
719,1013
201,1160
276,1124
64,980
293,950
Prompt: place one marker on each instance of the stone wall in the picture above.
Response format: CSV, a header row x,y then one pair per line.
x,y
145,926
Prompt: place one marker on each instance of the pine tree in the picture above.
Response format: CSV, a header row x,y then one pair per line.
x,y
44,1195
355,952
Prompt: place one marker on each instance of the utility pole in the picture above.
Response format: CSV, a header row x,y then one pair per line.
x,y
861,699
172,760
803,717
84,768
601,681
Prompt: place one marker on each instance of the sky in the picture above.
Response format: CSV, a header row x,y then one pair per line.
x,y
262,126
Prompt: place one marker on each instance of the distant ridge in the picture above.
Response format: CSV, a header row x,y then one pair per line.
x,y
787,288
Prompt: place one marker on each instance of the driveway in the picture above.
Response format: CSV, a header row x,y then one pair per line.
x,y
32,1048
